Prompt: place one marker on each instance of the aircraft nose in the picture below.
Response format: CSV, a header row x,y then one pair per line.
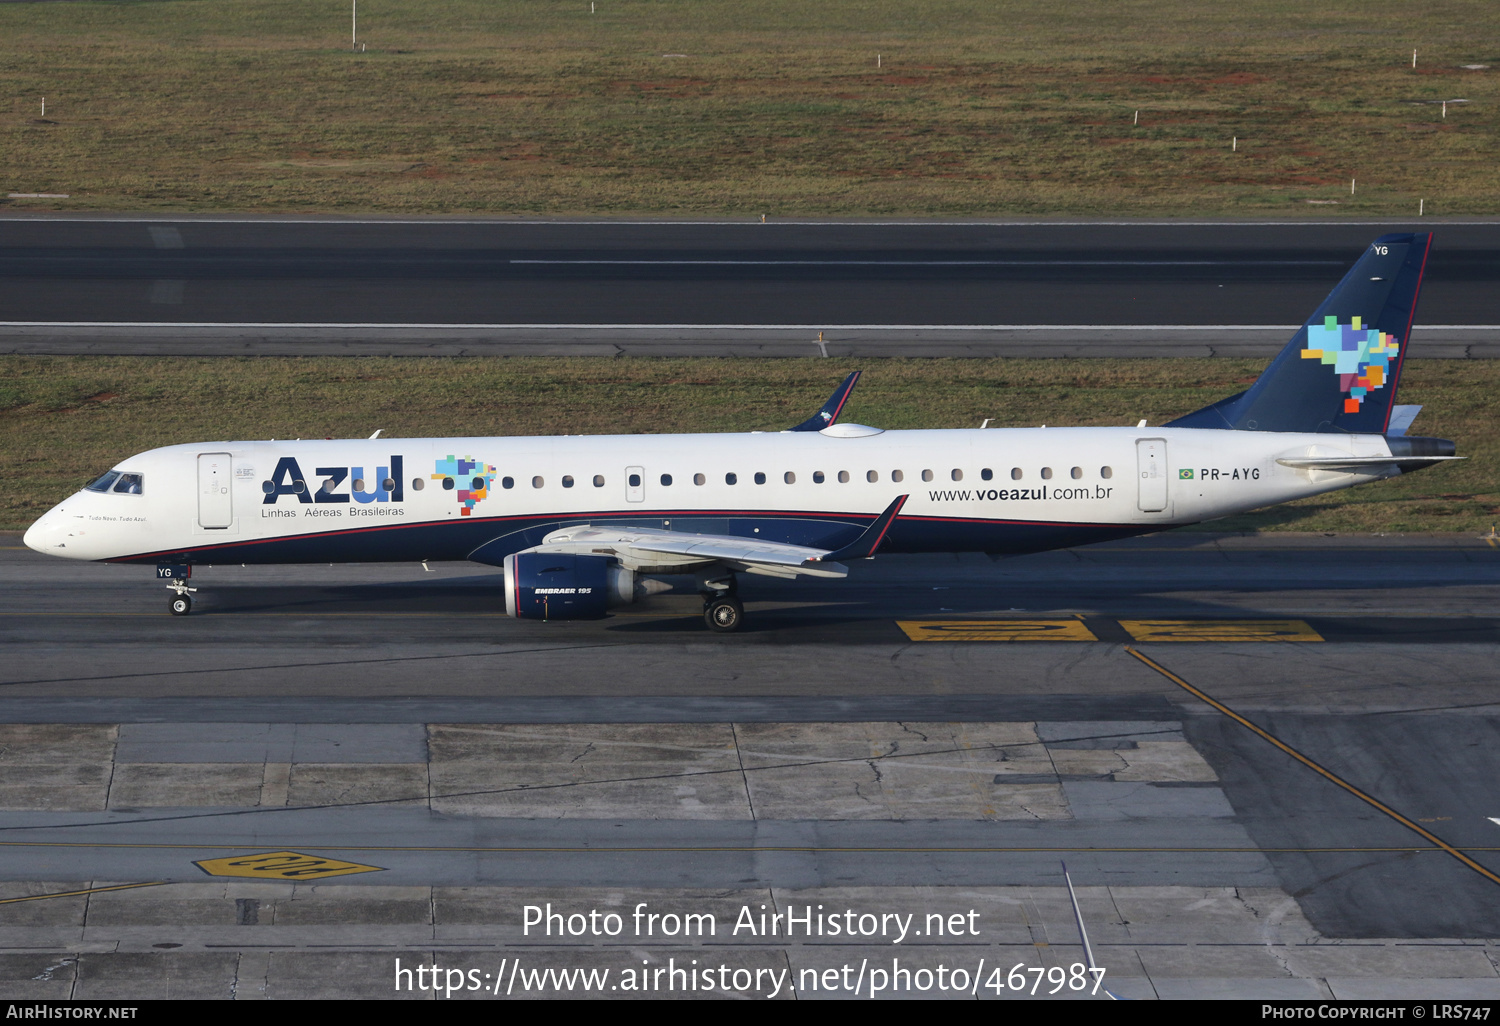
x,y
43,535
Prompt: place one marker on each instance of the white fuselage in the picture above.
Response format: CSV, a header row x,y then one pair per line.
x,y
995,490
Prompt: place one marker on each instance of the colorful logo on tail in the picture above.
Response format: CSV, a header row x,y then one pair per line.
x,y
1360,356
471,477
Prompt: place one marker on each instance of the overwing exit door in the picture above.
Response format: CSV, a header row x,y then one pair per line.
x,y
635,484
215,500
1151,468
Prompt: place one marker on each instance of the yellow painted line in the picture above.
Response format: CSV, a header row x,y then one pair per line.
x,y
1220,630
1328,774
282,865
996,630
710,849
88,890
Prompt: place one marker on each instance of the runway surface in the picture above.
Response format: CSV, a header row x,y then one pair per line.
x,y
291,286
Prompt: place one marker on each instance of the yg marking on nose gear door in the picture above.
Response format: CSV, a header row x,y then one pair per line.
x,y
215,501
1151,466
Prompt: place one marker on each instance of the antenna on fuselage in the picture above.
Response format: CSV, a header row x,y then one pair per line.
x,y
377,432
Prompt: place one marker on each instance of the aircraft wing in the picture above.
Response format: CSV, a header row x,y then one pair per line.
x,y
655,551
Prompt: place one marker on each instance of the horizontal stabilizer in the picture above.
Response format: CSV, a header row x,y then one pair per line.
x,y
1361,464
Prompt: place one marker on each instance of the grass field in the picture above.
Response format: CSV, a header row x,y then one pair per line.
x,y
744,107
64,420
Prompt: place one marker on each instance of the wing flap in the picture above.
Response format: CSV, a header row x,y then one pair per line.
x,y
647,546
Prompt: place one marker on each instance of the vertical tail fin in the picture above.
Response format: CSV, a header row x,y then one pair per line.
x,y
1340,371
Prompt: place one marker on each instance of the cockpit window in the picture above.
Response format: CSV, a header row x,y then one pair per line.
x,y
129,484
102,483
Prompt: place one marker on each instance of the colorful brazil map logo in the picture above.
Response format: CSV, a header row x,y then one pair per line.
x,y
472,477
1360,356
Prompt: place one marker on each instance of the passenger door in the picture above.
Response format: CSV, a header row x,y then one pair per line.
x,y
215,500
1151,467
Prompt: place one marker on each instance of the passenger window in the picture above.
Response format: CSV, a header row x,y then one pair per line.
x,y
299,486
635,480
897,476
537,482
447,484
789,477
731,479
699,479
1076,473
1015,473
1106,472
986,474
872,476
476,485
417,484
958,475
926,475
389,484
505,482
598,480
666,479
817,477
103,481
358,485
567,480
1046,473
327,486
129,484
760,478
843,477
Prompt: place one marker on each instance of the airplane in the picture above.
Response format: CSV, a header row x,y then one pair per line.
x,y
582,524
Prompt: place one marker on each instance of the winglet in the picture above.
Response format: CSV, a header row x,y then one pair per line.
x,y
829,412
865,545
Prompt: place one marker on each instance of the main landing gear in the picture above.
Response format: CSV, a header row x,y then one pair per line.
x,y
177,582
723,612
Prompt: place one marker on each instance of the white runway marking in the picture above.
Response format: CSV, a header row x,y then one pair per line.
x,y
717,327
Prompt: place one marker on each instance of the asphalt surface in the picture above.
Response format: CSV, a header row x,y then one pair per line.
x,y
276,286
1397,700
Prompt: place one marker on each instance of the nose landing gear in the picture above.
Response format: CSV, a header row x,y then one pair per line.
x,y
177,583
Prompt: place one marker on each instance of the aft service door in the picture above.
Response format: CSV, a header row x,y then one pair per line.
x,y
635,484
215,506
1151,468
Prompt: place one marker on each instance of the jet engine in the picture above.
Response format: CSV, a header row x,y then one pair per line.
x,y
564,586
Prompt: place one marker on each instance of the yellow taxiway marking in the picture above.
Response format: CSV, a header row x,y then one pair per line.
x,y
704,849
86,890
282,865
996,630
1220,630
1422,832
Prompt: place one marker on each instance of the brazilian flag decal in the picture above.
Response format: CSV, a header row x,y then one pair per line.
x,y
1185,474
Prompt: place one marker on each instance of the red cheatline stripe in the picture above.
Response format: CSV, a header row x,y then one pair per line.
x,y
1406,342
571,518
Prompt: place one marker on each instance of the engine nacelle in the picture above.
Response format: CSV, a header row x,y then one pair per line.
x,y
563,586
